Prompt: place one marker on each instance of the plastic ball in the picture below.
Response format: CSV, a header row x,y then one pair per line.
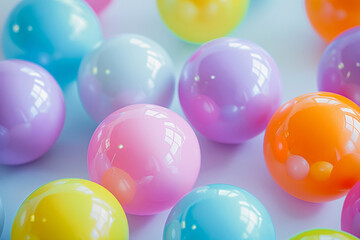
x,y
2,217
200,21
229,89
218,212
350,216
32,111
322,234
146,155
125,70
339,68
331,17
70,209
98,5
55,34
311,146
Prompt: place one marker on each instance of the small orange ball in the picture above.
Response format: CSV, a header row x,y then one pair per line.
x,y
312,146
332,17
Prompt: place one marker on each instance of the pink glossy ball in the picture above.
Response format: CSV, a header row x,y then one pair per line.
x,y
98,5
146,155
350,216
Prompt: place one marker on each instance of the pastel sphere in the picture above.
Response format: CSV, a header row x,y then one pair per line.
x,y
329,18
2,217
70,209
229,89
55,34
32,111
128,69
146,155
98,5
218,212
339,68
201,21
320,234
350,216
312,146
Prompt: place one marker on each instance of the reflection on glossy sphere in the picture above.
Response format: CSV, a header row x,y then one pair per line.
x,y
126,70
2,216
312,146
98,5
350,216
146,155
323,234
32,111
70,209
54,34
229,89
339,69
200,21
218,212
332,17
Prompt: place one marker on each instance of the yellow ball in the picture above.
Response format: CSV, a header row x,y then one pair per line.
x,y
320,234
199,21
70,209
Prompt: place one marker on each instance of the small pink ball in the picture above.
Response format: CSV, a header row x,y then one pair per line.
x,y
98,5
146,155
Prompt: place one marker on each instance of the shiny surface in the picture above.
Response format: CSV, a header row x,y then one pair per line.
x,y
55,34
339,68
125,70
218,212
332,17
32,111
2,217
229,89
70,209
350,215
146,155
312,146
323,234
98,5
201,21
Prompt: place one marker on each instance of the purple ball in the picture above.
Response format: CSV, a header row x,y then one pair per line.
x,y
339,68
229,90
32,111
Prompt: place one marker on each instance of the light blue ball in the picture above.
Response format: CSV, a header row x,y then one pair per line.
x,y
2,216
55,34
127,69
219,212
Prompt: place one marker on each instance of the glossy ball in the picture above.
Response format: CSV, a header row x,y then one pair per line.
x,y
200,21
32,111
350,216
323,234
332,17
229,90
70,209
126,70
339,68
2,217
312,146
218,212
98,5
146,155
55,34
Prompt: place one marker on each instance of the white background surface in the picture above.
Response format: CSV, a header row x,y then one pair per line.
x,y
279,26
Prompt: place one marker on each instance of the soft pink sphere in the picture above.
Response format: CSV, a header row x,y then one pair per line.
x,y
146,155
98,5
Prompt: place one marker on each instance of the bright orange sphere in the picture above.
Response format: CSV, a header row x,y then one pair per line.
x,y
312,146
332,17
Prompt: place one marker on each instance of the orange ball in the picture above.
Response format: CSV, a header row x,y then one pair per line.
x,y
312,146
332,17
